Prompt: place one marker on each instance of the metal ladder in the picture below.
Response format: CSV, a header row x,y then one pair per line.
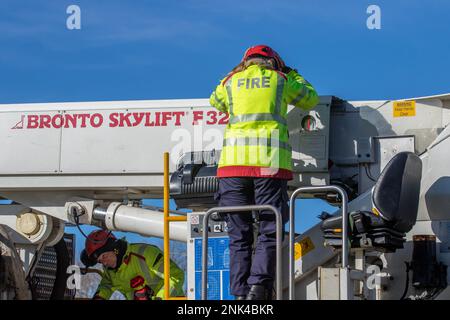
x,y
345,293
234,209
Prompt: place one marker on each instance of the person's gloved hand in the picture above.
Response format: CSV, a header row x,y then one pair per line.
x,y
143,294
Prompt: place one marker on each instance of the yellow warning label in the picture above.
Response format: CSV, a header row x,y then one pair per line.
x,y
303,247
404,108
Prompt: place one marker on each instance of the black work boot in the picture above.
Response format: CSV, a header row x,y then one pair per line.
x,y
258,292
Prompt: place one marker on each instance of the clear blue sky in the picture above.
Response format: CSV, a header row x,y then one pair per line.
x,y
180,49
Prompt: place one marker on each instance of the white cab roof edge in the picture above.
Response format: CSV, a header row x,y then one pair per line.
x,y
140,104
98,105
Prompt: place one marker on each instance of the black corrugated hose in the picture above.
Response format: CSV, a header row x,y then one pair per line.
x,y
63,262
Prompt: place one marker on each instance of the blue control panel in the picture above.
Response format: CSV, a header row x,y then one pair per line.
x,y
218,269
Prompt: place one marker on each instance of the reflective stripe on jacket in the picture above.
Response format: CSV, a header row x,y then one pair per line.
x,y
141,260
256,141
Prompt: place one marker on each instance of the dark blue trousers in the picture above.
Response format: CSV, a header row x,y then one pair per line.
x,y
245,271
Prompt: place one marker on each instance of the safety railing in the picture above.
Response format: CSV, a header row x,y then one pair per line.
x,y
167,220
345,249
235,209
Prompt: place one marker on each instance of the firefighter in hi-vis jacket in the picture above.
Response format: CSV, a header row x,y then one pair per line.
x,y
255,163
135,270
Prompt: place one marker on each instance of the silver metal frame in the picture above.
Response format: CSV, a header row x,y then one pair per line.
x,y
234,209
345,248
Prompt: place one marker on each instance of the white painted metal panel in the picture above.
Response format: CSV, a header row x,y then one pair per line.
x,y
98,137
27,148
309,139
133,140
329,283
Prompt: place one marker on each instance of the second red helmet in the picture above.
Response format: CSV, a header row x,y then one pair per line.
x,y
97,240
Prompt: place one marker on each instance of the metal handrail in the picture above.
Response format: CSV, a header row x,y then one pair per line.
x,y
292,229
234,209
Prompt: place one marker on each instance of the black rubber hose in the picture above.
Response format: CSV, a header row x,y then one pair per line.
x,y
62,263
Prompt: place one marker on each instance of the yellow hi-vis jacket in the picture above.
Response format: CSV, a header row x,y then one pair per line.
x,y
256,141
141,261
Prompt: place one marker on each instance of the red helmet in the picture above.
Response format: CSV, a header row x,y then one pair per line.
x,y
97,240
265,51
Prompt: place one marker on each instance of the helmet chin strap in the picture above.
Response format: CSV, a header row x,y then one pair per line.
x,y
119,250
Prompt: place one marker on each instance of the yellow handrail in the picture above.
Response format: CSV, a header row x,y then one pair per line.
x,y
167,220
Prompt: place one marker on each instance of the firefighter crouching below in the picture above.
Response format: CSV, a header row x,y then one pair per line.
x,y
135,270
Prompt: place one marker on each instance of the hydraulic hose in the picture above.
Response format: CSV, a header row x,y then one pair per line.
x,y
63,262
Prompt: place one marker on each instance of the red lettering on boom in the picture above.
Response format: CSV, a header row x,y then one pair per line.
x,y
138,116
96,123
148,123
70,119
178,115
44,121
84,117
113,120
166,116
55,124
32,121
198,115
124,117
